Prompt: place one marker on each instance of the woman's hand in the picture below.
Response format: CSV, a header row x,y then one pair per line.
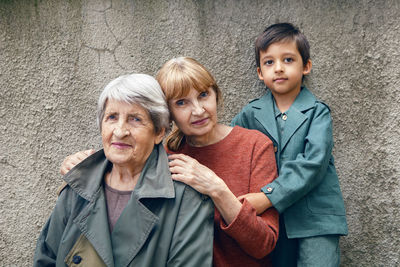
x,y
73,160
259,201
189,171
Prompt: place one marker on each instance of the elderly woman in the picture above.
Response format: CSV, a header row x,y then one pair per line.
x,y
219,161
120,206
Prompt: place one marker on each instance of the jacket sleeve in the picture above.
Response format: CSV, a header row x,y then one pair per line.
x,y
298,176
192,241
257,235
49,239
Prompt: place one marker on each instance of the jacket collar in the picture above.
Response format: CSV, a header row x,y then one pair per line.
x,y
136,221
265,114
154,181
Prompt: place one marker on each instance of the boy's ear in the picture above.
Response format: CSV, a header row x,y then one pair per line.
x,y
307,68
260,76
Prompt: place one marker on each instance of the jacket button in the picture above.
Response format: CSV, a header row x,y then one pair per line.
x,y
77,259
275,149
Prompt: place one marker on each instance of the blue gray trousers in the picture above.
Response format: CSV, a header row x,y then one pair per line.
x,y
306,252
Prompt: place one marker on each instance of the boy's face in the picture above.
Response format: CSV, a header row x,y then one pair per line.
x,y
282,69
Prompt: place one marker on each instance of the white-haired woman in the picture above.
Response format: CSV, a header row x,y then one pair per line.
x,y
120,206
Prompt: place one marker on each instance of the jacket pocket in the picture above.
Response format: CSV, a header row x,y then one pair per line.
x,y
83,254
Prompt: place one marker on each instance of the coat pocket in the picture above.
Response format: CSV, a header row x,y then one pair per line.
x,y
83,254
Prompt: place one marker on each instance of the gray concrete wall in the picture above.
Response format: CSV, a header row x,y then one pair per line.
x,y
55,57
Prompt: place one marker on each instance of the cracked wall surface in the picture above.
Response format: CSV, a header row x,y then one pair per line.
x,y
56,56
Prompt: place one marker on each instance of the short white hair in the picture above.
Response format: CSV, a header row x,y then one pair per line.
x,y
140,89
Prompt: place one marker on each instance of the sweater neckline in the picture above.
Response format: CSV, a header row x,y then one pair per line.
x,y
221,142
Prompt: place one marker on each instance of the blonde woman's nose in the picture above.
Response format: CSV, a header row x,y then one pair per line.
x,y
197,108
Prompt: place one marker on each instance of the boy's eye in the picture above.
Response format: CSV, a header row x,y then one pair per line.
x,y
269,62
288,60
203,94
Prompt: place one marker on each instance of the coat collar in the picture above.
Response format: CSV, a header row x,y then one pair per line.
x,y
265,114
136,221
154,181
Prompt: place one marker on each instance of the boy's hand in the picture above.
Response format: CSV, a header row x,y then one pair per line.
x,y
72,160
259,201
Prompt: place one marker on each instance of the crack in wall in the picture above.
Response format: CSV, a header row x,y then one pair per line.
x,y
100,51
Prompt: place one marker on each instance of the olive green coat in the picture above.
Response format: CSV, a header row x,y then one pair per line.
x,y
165,223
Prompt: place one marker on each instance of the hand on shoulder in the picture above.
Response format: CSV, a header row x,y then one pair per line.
x,y
74,159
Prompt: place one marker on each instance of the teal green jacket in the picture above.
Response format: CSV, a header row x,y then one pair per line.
x,y
307,192
165,223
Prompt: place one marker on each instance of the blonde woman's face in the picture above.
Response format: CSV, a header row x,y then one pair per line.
x,y
195,114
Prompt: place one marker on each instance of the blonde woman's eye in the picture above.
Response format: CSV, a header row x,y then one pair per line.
x,y
180,102
204,94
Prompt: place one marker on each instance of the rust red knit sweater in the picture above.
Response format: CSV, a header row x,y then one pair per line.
x,y
245,161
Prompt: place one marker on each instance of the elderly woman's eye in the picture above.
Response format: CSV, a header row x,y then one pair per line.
x,y
135,119
111,117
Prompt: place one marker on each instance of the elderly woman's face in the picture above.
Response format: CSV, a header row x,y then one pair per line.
x,y
128,134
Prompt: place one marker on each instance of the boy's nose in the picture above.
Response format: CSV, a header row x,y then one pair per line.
x,y
278,66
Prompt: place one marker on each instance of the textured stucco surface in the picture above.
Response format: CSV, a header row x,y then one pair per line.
x,y
55,57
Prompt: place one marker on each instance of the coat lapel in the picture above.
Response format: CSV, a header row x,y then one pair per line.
x,y
93,223
136,222
264,114
303,102
294,121
131,231
86,179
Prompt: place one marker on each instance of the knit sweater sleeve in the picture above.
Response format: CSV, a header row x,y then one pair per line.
x,y
257,235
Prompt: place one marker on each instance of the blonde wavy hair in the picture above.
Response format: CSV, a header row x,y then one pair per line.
x,y
176,77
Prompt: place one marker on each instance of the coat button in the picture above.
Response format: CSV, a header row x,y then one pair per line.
x,y
284,117
275,149
77,259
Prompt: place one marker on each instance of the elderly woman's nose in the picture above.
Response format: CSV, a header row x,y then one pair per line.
x,y
121,130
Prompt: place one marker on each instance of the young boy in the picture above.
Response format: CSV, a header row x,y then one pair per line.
x,y
307,193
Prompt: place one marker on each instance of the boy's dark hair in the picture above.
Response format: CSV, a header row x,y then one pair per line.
x,y
282,32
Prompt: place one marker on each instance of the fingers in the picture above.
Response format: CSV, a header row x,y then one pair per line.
x,y
182,161
181,157
179,177
64,169
73,160
89,152
78,157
